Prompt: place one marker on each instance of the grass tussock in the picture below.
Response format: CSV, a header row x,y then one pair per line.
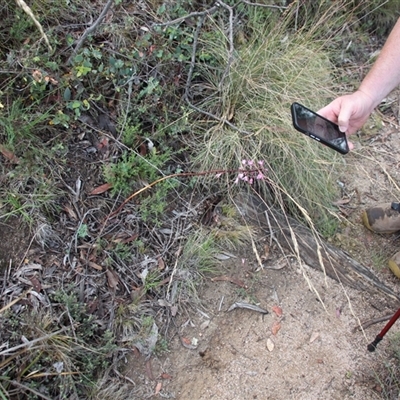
x,y
60,354
275,67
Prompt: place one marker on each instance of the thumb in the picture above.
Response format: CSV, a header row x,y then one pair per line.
x,y
343,124
344,118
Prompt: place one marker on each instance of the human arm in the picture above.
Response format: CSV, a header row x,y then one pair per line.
x,y
350,112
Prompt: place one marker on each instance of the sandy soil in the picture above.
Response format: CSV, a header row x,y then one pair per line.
x,y
313,350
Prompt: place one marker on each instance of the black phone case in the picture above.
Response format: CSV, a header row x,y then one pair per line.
x,y
313,135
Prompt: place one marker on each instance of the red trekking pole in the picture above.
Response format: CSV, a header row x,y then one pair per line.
x,y
372,346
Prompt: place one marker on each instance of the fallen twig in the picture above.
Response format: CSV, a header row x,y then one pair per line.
x,y
370,322
220,303
89,30
48,374
248,307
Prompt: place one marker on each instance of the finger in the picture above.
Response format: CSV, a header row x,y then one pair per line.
x,y
344,117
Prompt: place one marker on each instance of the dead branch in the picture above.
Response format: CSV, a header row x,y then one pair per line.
x,y
366,324
248,306
89,30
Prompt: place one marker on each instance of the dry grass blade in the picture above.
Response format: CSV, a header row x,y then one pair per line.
x,y
29,389
28,11
309,248
30,343
15,301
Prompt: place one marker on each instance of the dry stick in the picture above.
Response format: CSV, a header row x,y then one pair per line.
x,y
172,277
25,7
123,376
89,30
255,251
390,178
367,324
46,374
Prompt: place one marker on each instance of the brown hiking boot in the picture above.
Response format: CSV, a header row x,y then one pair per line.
x,y
384,218
394,264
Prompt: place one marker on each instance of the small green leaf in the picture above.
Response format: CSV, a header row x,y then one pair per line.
x,y
67,94
83,231
96,54
119,64
75,104
86,104
161,9
78,58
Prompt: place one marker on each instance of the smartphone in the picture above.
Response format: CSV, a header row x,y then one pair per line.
x,y
319,128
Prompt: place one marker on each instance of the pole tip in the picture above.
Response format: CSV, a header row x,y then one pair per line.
x,y
372,346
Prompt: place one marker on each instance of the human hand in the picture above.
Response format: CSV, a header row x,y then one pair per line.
x,y
350,112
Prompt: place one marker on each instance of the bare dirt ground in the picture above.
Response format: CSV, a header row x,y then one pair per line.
x,y
309,345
